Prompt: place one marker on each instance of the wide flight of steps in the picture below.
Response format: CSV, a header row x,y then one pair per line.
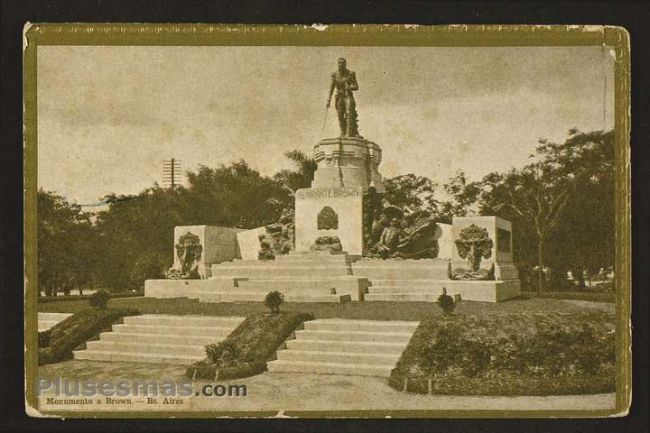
x,y
301,277
48,320
159,338
404,280
345,347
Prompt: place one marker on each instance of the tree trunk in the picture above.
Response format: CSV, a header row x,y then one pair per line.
x,y
540,266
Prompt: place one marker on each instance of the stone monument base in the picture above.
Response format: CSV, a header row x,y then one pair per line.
x,y
308,277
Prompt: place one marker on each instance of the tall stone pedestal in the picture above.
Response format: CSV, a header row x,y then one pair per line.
x,y
333,206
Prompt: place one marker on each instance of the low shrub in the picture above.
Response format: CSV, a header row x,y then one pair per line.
x,y
247,349
273,300
57,343
511,354
446,302
99,299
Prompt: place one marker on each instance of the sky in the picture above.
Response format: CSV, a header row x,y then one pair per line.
x,y
109,116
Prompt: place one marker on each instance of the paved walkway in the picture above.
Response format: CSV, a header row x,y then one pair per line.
x,y
286,392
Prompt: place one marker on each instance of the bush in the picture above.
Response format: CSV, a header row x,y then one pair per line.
x,y
57,343
446,302
247,349
273,300
99,299
467,355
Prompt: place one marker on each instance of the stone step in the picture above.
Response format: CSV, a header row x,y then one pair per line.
x,y
269,270
342,284
257,288
184,320
48,320
361,325
173,330
139,338
349,336
312,255
407,297
401,269
329,368
405,289
140,347
44,326
346,346
412,282
56,317
155,358
401,297
259,297
398,273
301,261
339,357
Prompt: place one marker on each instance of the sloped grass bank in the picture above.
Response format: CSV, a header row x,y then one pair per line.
x,y
510,354
247,349
57,343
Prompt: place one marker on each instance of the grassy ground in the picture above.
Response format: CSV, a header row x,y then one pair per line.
x,y
527,353
574,295
353,310
288,392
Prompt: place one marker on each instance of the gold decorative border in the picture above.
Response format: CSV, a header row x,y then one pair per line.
x,y
341,35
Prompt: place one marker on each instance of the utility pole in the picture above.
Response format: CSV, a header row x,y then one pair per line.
x,y
171,172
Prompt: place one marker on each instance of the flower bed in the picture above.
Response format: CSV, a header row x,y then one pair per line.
x,y
247,349
57,343
510,354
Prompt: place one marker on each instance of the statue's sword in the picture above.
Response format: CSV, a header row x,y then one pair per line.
x,y
325,121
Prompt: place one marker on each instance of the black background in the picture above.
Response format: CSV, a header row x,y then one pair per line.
x,y
635,17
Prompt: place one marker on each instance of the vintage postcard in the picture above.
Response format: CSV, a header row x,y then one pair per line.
x,y
359,221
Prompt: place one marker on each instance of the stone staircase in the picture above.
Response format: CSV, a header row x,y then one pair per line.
x,y
48,320
345,347
159,338
301,277
404,280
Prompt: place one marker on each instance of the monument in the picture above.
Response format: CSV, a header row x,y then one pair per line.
x,y
344,242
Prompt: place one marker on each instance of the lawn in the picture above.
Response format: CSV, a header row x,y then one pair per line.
x,y
574,295
352,310
524,353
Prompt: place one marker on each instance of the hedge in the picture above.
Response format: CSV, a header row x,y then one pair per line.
x,y
510,354
57,343
246,350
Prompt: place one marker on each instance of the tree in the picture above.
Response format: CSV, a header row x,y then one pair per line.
x,y
303,174
462,196
585,240
411,192
66,256
556,198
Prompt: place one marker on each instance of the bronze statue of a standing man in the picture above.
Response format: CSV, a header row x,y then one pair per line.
x,y
345,82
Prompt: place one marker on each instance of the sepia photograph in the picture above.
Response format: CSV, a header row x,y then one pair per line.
x,y
326,221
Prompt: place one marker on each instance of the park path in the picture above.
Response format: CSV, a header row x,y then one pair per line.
x,y
286,392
